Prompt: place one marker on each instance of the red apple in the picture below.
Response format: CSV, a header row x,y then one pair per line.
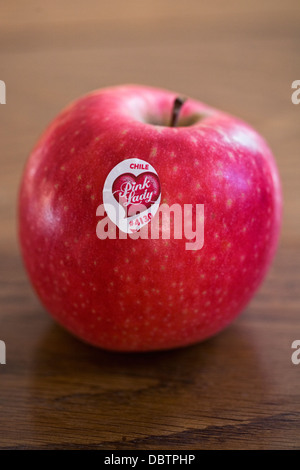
x,y
147,294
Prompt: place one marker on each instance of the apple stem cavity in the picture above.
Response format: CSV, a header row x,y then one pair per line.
x,y
178,103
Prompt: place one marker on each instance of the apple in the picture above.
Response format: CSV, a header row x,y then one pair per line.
x,y
134,293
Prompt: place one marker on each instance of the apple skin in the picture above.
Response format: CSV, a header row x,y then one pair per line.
x,y
139,295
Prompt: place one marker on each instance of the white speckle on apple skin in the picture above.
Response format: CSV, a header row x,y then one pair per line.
x,y
153,152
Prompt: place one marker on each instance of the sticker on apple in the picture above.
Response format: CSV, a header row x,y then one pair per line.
x,y
131,194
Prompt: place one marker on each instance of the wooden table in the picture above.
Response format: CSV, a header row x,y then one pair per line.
x,y
238,390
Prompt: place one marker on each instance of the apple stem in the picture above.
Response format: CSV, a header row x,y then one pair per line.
x,y
178,103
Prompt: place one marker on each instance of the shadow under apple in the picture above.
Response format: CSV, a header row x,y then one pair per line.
x,y
90,398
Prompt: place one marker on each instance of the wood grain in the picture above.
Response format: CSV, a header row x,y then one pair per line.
x,y
238,390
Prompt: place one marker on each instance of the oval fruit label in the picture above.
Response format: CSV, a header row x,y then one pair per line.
x,y
131,194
